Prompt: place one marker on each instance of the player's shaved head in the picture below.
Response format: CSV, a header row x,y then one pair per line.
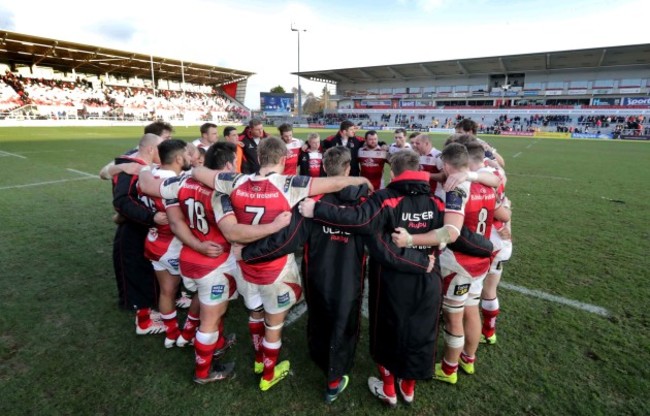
x,y
149,139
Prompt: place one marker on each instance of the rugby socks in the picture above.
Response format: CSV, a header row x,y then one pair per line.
x,y
222,340
204,346
191,324
388,379
490,310
256,329
467,358
408,387
271,352
171,325
448,368
333,385
143,318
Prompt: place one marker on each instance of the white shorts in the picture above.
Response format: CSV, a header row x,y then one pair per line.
x,y
458,284
503,254
276,297
169,260
216,287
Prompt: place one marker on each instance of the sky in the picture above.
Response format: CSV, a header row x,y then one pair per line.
x,y
256,36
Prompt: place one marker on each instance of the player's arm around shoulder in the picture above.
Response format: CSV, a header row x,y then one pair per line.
x,y
205,176
335,184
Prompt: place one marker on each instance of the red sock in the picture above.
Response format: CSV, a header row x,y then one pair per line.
x,y
203,356
191,324
271,352
256,329
144,317
489,322
334,384
171,325
466,358
388,379
408,386
222,340
447,368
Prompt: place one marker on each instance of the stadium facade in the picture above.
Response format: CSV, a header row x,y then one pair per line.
x,y
607,80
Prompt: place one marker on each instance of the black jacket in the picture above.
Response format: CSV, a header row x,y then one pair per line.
x,y
126,200
354,144
250,163
404,300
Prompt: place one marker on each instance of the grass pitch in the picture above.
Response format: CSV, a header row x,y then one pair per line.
x,y
581,215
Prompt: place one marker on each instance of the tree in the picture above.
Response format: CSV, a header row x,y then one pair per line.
x,y
312,104
278,90
325,99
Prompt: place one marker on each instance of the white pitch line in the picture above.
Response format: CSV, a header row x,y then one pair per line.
x,y
44,183
28,152
531,145
12,154
299,310
517,155
557,299
82,173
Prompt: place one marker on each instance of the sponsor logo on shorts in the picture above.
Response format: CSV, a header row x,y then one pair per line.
x,y
283,299
460,290
173,263
216,292
153,234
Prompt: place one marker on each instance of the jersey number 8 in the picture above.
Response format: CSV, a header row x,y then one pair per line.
x,y
482,221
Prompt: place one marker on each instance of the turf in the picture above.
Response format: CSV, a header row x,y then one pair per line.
x,y
581,216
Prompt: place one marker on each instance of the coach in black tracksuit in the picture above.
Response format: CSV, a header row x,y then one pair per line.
x,y
404,299
249,139
346,138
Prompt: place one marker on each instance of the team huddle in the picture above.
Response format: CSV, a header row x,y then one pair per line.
x,y
225,217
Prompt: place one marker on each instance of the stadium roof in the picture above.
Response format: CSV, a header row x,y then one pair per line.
x,y
17,48
543,61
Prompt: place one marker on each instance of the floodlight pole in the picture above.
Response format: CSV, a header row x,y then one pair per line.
x,y
153,80
294,29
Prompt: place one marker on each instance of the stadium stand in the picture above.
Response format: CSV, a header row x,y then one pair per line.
x,y
47,79
590,90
